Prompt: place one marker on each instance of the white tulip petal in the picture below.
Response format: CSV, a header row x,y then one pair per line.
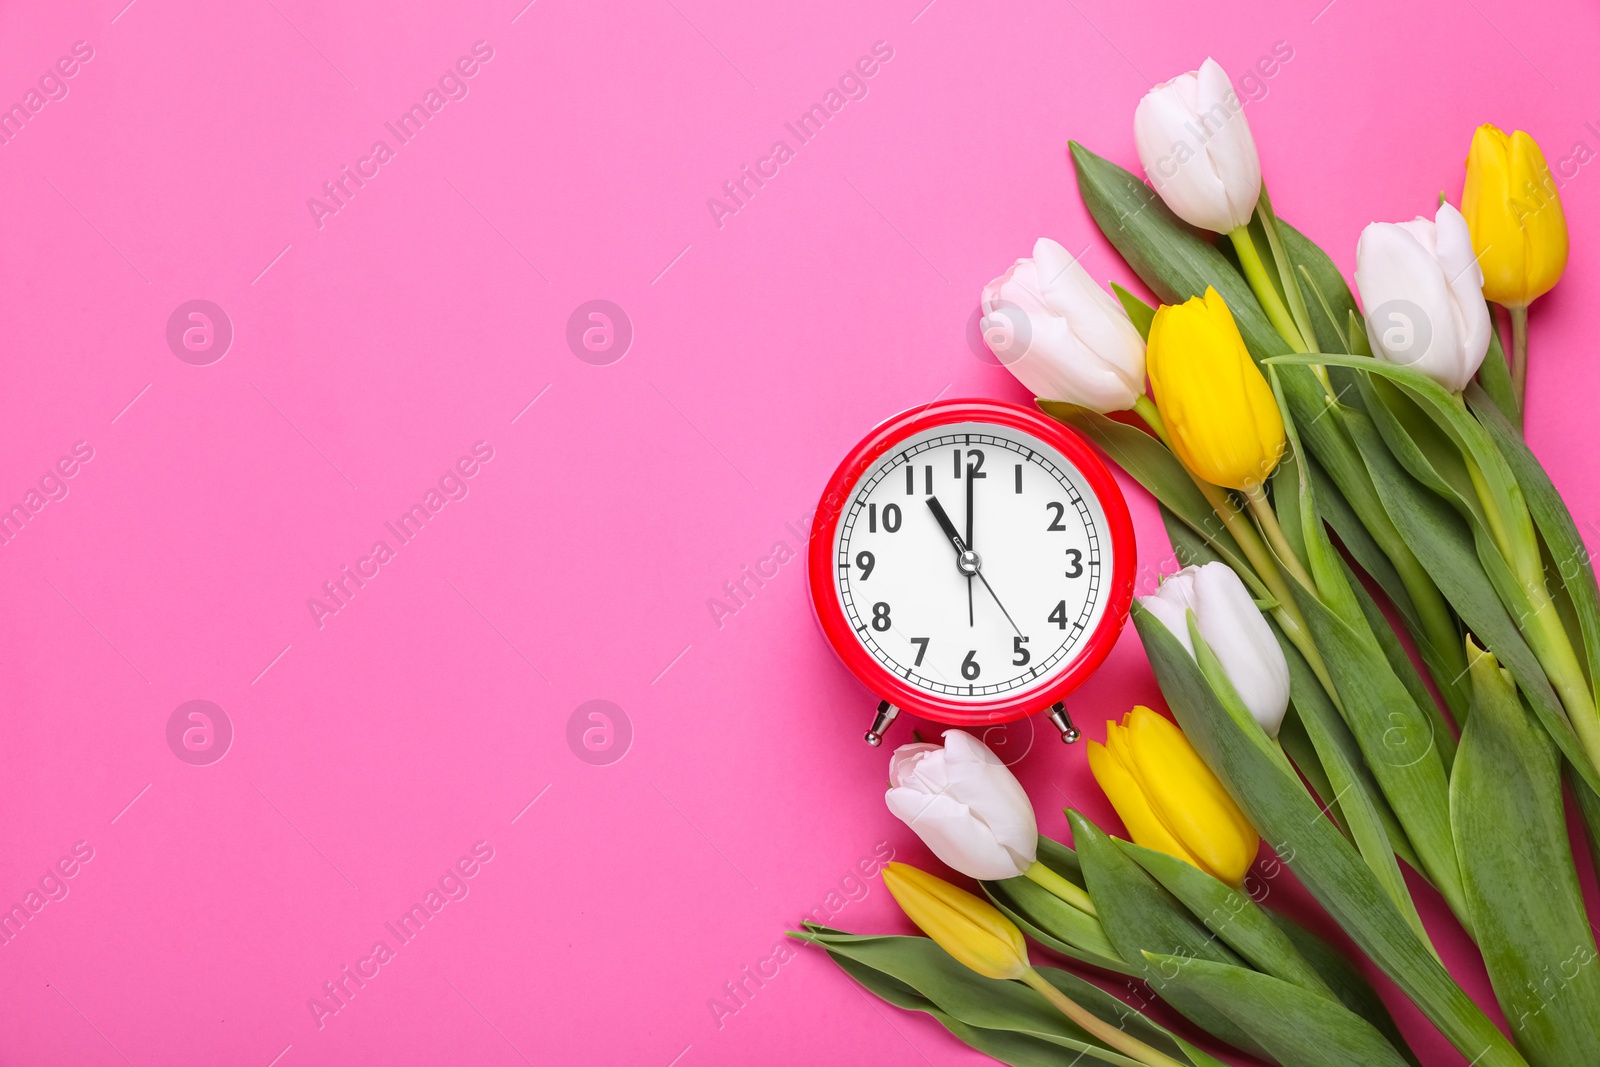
x,y
981,781
1062,336
906,758
1238,634
1196,147
1174,616
951,833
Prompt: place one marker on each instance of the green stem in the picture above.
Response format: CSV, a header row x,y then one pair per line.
x,y
1519,354
1541,624
1286,271
1268,519
1053,883
1255,273
1112,1036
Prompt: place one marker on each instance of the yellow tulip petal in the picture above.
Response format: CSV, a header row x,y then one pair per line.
x,y
1512,207
1188,799
1219,410
1126,796
967,927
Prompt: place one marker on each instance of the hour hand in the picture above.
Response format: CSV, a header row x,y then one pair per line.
x,y
943,519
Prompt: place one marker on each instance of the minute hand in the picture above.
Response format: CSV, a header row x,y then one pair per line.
x,y
967,561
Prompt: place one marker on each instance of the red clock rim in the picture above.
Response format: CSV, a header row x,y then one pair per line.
x,y
884,682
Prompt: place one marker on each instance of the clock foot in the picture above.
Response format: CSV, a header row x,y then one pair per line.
x,y
1063,722
887,713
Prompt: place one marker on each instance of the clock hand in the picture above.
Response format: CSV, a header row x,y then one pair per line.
x,y
997,603
971,481
942,517
967,561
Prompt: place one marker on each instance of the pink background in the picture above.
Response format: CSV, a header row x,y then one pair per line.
x,y
373,351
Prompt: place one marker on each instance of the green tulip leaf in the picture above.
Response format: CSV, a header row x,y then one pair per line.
x,y
1347,983
1061,859
1438,637
1527,907
1294,1025
1397,738
1141,314
1139,915
1231,915
927,971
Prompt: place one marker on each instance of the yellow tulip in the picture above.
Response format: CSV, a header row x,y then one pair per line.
x,y
1220,414
970,929
1519,231
1168,798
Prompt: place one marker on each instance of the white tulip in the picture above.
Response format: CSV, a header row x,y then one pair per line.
x,y
1196,147
966,805
1062,335
1423,292
1230,622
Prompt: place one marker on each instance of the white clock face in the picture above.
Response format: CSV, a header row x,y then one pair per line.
x,y
973,562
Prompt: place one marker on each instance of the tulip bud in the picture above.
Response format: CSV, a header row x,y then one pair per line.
x,y
1230,622
966,805
1168,798
1220,413
1063,336
1519,230
1423,293
972,930
1196,147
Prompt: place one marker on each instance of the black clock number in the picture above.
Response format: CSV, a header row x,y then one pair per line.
x,y
969,666
911,480
975,458
1019,477
880,616
1059,615
866,561
1075,563
922,650
1020,656
1055,523
891,518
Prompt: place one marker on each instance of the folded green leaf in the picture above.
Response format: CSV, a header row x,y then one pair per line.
x,y
1232,916
1326,863
1397,739
1296,1026
1139,915
1055,924
1438,639
1521,887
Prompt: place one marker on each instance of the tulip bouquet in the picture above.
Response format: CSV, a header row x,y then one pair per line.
x,y
1280,417
1382,650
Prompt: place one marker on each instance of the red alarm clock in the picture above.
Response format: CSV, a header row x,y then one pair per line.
x,y
972,562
